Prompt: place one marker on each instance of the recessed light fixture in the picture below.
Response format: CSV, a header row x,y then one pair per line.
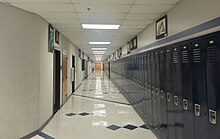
x,y
99,49
99,42
100,26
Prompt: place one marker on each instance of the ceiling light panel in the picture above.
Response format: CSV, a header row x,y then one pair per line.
x,y
100,43
100,26
99,49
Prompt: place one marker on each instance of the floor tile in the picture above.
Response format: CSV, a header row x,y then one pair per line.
x,y
70,114
113,127
130,127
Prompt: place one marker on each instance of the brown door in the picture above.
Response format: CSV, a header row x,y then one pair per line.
x,y
97,66
64,77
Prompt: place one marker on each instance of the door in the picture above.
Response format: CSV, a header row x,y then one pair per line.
x,y
56,81
73,74
64,77
97,66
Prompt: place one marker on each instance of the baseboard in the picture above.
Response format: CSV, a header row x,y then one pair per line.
x,y
34,133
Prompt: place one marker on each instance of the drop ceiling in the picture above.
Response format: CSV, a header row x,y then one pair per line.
x,y
68,15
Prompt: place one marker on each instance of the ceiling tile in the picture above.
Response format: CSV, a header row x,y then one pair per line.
x,y
150,8
104,1
156,1
141,16
59,16
39,1
101,8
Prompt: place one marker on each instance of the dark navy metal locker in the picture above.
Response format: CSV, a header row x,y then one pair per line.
x,y
169,92
177,92
188,127
153,88
145,86
199,89
213,87
149,96
157,92
163,126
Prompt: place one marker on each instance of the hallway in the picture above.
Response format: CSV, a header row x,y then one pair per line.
x,y
97,110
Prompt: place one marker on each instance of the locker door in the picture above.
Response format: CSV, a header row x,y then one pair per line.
x,y
169,93
162,94
188,127
177,91
213,88
153,89
145,85
199,89
149,88
157,92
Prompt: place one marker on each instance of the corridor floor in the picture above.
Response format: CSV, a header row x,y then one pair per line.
x,y
97,110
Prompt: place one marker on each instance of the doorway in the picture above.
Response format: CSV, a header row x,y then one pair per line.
x,y
73,74
64,77
56,80
97,66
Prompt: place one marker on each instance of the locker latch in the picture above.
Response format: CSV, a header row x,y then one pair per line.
x,y
212,117
185,104
162,94
157,91
168,96
197,110
176,101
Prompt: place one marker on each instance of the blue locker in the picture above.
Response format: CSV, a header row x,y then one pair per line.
x,y
177,92
212,44
157,92
153,88
199,89
149,97
162,72
187,94
169,93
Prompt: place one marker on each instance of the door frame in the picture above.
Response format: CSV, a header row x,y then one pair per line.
x,y
54,99
63,102
73,72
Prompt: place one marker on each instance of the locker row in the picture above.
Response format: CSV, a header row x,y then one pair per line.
x,y
176,88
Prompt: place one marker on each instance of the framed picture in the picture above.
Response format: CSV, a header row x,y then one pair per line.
x,y
50,38
128,47
134,43
79,53
83,55
161,27
57,37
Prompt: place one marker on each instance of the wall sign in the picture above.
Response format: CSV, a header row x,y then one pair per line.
x,y
161,27
79,53
50,38
134,43
57,37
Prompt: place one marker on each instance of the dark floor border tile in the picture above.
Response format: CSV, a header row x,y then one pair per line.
x,y
101,99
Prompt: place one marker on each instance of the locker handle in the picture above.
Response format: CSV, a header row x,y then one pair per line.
x,y
168,96
197,110
162,94
212,116
185,104
176,100
157,91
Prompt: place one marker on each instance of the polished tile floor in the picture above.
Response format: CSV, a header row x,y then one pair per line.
x,y
97,110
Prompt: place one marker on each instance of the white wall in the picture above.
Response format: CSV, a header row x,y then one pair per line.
x,y
26,83
19,83
185,15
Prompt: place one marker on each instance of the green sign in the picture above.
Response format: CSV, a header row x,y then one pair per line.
x,y
50,39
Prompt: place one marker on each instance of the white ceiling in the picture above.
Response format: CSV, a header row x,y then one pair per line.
x,y
68,15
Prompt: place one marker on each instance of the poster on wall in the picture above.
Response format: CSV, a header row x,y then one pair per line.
x,y
79,53
161,27
50,38
128,47
57,37
134,43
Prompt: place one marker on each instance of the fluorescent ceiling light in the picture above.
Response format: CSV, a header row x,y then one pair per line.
x,y
99,49
100,26
99,42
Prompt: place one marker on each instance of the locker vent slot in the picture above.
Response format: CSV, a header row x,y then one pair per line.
x,y
196,55
175,58
185,57
168,57
211,53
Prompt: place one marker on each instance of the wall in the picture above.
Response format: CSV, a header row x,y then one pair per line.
x,y
185,15
26,82
20,37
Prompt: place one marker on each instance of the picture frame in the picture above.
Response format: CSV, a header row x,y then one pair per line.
x,y
50,38
134,43
79,53
161,27
57,37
